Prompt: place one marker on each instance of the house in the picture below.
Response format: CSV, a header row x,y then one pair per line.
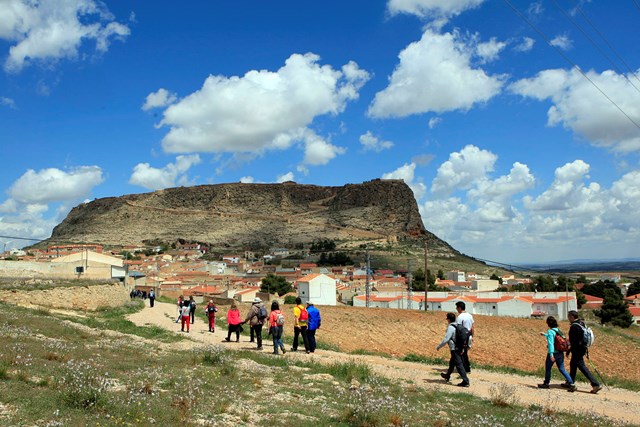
x,y
456,276
592,302
633,300
247,294
484,285
319,289
635,312
280,252
93,265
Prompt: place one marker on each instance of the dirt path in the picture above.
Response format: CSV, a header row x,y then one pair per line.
x,y
622,405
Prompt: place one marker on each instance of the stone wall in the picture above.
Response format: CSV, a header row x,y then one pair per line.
x,y
75,297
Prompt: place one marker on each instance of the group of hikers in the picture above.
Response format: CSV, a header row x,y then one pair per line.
x,y
306,321
137,293
459,338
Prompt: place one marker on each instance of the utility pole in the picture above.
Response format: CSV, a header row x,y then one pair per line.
x,y
410,293
368,283
426,277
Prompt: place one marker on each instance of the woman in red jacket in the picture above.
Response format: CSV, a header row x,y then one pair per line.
x,y
276,327
234,321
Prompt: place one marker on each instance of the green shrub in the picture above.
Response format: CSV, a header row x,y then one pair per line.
x,y
83,385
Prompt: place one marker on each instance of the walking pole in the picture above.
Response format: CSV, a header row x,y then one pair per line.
x,y
597,372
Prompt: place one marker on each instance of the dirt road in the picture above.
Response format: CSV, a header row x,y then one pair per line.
x,y
622,405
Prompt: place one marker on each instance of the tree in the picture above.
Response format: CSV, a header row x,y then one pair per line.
x,y
545,284
634,288
614,310
417,284
494,276
431,279
275,284
599,288
440,275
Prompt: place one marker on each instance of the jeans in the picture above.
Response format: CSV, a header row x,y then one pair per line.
x,y
276,335
559,361
192,313
311,339
456,362
257,330
300,330
577,362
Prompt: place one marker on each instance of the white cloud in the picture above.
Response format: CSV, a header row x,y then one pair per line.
x,y
371,142
285,177
158,99
171,175
525,45
489,51
462,169
435,75
8,102
562,42
431,8
54,185
582,108
562,222
406,173
262,110
317,151
434,121
50,30
247,180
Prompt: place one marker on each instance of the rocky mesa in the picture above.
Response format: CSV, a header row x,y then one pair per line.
x,y
250,215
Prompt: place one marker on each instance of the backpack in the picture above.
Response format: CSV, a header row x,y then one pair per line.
x,y
561,343
262,312
461,337
304,315
280,319
588,337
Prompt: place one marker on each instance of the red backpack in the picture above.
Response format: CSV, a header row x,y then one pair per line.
x,y
561,343
304,316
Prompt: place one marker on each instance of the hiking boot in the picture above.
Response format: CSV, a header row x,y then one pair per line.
x,y
227,339
463,384
543,385
259,348
445,376
572,388
294,349
283,350
565,385
596,389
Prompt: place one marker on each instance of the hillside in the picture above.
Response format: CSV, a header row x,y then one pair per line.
x,y
380,214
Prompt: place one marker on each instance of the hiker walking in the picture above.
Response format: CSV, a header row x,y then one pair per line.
x,y
192,309
465,319
300,325
256,317
185,316
152,297
555,347
276,327
210,311
234,322
455,361
578,350
313,325
180,303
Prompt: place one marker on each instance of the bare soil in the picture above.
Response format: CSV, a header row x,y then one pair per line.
x,y
499,342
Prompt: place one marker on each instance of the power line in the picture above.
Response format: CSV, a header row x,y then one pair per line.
x,y
566,58
637,4
22,238
586,18
615,66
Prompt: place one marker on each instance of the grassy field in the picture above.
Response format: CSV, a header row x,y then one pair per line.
x,y
98,370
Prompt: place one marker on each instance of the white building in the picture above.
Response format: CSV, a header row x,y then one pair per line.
x,y
485,285
320,289
456,276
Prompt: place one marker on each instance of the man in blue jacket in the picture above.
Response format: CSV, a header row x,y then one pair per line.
x,y
313,325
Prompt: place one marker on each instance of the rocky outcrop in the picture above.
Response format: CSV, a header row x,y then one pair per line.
x,y
250,215
71,298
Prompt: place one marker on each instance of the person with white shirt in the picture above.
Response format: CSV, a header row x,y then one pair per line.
x,y
465,319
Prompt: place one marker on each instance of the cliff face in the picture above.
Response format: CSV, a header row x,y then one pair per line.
x,y
250,215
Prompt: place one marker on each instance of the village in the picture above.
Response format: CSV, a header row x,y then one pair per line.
x,y
186,271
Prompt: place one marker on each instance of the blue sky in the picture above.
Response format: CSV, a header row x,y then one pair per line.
x,y
516,123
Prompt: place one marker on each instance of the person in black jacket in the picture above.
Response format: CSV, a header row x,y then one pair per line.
x,y
578,350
